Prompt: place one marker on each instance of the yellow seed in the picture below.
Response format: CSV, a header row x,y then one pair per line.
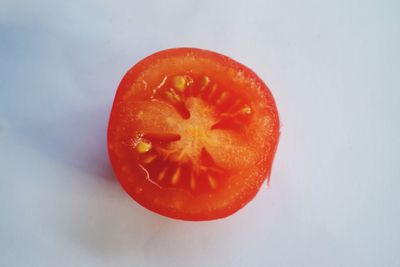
x,y
205,80
176,176
245,110
212,182
143,146
179,83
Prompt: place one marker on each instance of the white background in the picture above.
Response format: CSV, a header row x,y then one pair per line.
x,y
333,67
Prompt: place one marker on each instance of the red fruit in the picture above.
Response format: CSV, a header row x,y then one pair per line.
x,y
192,134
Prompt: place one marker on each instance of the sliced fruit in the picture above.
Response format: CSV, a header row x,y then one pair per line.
x,y
192,134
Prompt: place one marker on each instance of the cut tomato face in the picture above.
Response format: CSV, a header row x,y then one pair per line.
x,y
192,134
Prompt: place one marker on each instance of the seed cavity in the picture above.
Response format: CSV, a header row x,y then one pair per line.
x,y
212,182
172,96
176,176
213,90
205,81
149,159
222,98
161,175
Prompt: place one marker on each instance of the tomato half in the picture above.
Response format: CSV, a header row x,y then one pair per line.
x,y
192,134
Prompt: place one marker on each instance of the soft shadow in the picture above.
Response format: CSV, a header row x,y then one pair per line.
x,y
76,138
112,229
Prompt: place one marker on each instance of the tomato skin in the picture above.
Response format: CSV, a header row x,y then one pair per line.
x,y
146,193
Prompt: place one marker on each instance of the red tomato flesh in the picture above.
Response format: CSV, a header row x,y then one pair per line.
x,y
192,134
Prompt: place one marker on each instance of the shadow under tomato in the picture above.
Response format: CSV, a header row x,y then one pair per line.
x,y
113,226
109,229
77,139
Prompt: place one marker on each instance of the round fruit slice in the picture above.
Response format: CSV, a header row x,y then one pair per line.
x,y
192,134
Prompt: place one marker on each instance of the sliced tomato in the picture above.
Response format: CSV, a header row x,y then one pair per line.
x,y
192,134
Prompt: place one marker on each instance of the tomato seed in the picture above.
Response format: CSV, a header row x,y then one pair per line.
x,y
179,83
143,146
